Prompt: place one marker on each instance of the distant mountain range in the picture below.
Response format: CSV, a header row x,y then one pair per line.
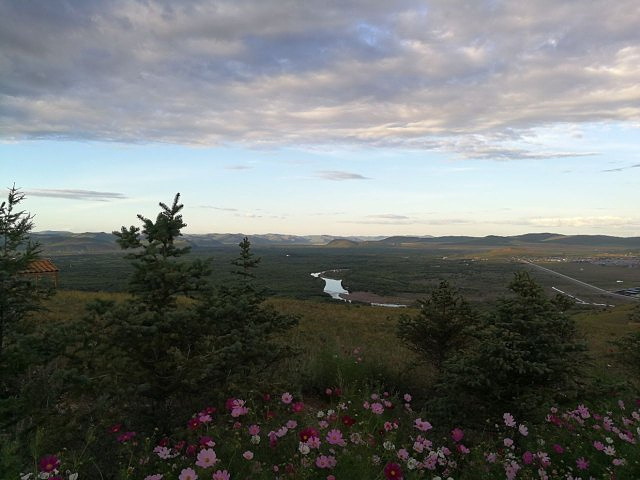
x,y
57,242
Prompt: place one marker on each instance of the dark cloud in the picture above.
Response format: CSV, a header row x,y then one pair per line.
x,y
75,194
406,73
338,175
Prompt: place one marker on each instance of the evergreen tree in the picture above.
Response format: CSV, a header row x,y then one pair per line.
x,y
18,297
524,353
178,342
439,328
247,328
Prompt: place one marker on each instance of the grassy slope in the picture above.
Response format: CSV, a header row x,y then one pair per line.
x,y
340,328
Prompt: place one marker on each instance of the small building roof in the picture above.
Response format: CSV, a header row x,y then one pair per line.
x,y
41,266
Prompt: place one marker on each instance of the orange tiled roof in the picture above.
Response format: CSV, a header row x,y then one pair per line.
x,y
41,266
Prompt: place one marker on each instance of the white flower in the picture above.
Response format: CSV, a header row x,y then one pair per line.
x,y
388,445
255,439
73,476
25,476
303,448
412,463
320,414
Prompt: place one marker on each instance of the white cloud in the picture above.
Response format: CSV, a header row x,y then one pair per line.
x,y
75,194
339,175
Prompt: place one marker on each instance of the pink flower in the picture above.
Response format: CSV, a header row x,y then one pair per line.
x,y
291,424
308,433
221,475
583,411
193,423
524,431
462,449
377,408
157,476
287,398
254,429
407,398
334,437
331,477
326,461
422,425
162,452
191,450
582,463
509,420
403,454
508,442
248,455
297,407
238,408
313,442
598,445
457,434
558,449
527,457
49,463
392,471
206,458
188,474
207,442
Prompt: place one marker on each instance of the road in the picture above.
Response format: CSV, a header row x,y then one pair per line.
x,y
579,282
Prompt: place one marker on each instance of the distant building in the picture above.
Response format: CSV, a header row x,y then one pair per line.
x,y
42,268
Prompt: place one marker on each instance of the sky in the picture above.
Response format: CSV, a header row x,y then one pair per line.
x,y
340,117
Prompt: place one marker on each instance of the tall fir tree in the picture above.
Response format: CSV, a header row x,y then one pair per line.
x,y
179,342
524,353
439,329
18,296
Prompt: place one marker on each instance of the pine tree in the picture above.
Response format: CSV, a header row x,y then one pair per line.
x,y
439,328
179,342
524,353
17,294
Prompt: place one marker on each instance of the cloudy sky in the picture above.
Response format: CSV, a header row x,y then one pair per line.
x,y
338,116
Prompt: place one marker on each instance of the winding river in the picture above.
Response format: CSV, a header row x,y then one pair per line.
x,y
334,288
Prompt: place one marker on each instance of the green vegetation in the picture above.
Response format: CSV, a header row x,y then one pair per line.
x,y
179,340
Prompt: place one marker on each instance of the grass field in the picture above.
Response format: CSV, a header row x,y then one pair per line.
x,y
338,329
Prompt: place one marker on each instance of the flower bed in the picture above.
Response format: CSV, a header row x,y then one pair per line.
x,y
375,437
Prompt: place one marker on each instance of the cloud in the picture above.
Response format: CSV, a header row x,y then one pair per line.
x,y
238,167
596,221
339,175
223,209
390,216
75,194
620,169
262,72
